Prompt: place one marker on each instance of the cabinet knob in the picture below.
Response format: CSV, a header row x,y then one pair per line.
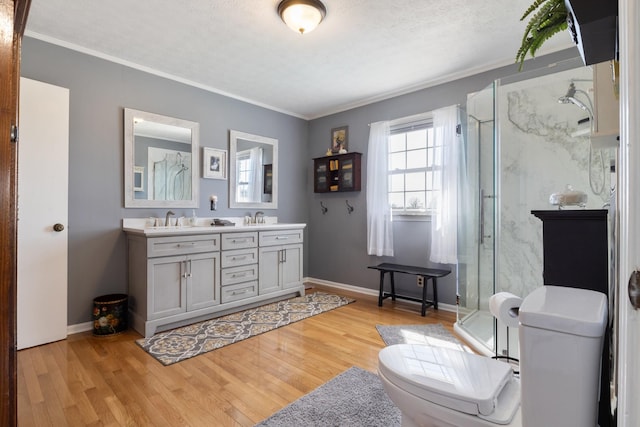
x,y
58,227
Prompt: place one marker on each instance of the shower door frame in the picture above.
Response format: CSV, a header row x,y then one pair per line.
x,y
484,191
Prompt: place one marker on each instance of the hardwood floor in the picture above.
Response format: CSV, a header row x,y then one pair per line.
x,y
110,381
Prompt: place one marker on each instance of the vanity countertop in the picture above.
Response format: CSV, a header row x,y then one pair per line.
x,y
203,226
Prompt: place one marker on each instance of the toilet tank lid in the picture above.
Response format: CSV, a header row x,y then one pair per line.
x,y
573,311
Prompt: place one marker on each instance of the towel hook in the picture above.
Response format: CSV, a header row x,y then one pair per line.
x,y
324,208
349,207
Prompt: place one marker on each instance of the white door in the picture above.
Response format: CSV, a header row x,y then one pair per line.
x,y
43,160
629,195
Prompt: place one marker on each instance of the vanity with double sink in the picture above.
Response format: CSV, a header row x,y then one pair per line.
x,y
183,274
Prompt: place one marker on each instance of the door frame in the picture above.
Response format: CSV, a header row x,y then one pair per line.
x,y
13,19
628,359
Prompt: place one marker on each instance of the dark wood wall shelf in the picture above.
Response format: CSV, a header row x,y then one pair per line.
x,y
593,25
339,173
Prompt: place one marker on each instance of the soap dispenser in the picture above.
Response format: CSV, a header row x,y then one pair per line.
x,y
194,218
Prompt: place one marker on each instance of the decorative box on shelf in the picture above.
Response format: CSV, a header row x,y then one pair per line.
x,y
337,173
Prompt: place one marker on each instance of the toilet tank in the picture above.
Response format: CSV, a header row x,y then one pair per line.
x,y
561,337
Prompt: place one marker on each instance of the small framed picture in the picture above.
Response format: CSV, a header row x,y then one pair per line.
x,y
214,163
138,178
339,139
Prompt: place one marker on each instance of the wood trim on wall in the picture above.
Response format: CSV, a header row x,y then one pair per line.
x,y
628,361
13,18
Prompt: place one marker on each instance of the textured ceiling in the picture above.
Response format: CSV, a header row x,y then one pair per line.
x,y
364,50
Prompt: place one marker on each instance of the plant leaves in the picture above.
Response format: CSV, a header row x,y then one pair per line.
x,y
549,19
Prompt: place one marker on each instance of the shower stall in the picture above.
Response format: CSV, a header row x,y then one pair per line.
x,y
527,137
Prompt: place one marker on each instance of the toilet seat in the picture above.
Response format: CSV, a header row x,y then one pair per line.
x,y
457,380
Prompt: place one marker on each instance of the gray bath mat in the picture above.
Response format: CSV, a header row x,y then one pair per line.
x,y
354,398
432,334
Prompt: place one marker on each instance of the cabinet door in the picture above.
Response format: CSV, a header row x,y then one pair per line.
x,y
291,266
320,176
280,268
166,287
203,286
269,270
346,174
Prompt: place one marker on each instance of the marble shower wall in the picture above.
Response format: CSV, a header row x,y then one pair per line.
x,y
539,156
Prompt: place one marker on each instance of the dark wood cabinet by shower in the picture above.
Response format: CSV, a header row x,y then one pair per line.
x,y
575,248
333,174
576,255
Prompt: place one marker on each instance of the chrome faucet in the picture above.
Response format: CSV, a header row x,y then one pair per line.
x,y
255,217
166,220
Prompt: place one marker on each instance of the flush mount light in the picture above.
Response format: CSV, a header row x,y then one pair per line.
x,y
302,16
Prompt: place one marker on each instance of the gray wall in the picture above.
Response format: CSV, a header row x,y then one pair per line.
x,y
338,248
335,243
99,90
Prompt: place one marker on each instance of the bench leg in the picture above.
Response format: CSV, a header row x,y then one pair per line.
x,y
424,295
381,288
435,293
393,287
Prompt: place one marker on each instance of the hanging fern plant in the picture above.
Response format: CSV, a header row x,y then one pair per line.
x,y
550,19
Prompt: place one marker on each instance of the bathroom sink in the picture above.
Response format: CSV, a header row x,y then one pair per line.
x,y
141,226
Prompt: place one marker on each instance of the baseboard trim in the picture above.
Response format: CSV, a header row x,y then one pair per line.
x,y
367,291
308,281
80,327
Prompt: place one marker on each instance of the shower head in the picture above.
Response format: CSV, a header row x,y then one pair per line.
x,y
575,101
569,98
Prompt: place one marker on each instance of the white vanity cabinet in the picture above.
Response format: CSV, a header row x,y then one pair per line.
x,y
280,258
182,283
239,275
180,276
172,279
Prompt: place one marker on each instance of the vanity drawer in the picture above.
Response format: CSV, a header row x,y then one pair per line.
x,y
239,257
240,291
240,274
239,240
281,237
179,245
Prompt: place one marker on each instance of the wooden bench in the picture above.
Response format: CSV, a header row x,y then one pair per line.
x,y
425,273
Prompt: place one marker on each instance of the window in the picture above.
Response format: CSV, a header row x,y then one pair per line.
x,y
413,181
244,176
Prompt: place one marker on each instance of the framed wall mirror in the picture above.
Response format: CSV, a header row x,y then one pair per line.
x,y
161,161
249,157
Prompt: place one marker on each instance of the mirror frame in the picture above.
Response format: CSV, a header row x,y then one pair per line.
x,y
234,136
129,194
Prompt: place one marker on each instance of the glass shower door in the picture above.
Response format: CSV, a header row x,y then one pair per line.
x,y
476,272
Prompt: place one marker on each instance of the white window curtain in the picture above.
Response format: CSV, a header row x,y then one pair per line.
x,y
255,183
379,218
449,163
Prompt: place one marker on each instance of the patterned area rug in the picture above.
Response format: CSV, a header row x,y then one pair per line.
x,y
355,398
433,334
189,341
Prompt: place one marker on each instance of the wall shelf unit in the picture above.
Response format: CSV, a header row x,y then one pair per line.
x,y
339,173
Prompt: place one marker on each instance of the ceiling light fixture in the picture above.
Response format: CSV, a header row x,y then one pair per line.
x,y
302,16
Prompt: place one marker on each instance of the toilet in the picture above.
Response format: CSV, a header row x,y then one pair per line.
x,y
561,336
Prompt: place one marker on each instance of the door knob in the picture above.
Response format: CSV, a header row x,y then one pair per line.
x,y
58,227
634,289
